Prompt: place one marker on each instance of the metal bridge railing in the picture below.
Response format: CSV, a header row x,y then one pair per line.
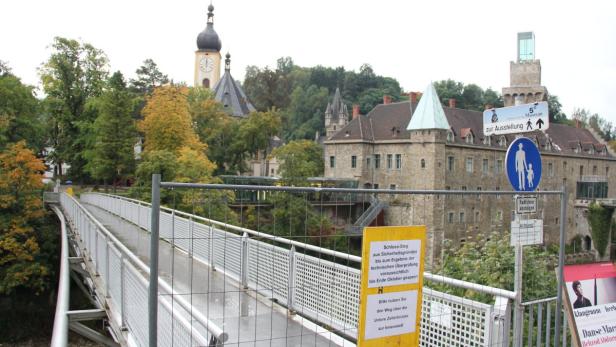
x,y
123,282
322,290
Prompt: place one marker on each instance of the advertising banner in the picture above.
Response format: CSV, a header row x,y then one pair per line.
x,y
591,294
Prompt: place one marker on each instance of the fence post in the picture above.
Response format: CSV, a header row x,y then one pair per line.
x,y
173,228
153,285
245,260
561,264
107,243
122,292
291,289
211,246
518,309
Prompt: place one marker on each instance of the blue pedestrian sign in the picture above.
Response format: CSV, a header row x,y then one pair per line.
x,y
523,165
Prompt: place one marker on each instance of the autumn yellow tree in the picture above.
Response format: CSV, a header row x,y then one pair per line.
x,y
22,207
167,123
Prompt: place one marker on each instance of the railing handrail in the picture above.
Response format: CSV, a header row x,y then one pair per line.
x,y
214,329
538,301
429,276
60,323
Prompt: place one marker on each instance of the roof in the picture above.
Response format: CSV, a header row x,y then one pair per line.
x,y
389,122
429,112
230,94
337,108
208,39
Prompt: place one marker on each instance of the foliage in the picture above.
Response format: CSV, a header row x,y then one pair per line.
x,y
156,161
600,221
148,78
193,166
490,261
470,96
22,208
301,94
167,123
111,156
19,113
256,131
73,73
555,110
299,160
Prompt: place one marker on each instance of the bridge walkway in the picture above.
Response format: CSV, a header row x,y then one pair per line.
x,y
248,318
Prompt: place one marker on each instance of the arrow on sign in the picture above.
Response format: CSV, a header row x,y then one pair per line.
x,y
539,122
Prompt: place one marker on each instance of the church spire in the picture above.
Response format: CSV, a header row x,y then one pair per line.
x,y
210,14
228,62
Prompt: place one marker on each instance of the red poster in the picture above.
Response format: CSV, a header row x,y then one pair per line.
x,y
591,292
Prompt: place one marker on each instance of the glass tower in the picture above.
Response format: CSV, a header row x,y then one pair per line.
x,y
526,46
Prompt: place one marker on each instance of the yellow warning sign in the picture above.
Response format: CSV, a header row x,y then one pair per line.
x,y
391,284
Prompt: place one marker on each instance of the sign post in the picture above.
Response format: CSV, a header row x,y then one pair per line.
x,y
391,286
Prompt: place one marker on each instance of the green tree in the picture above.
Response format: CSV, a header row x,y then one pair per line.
x,y
600,220
73,73
492,259
111,157
555,110
304,116
19,112
148,78
299,160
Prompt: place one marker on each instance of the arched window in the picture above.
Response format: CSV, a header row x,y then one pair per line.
x,y
423,163
205,83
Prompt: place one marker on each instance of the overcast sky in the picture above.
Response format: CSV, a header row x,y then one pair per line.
x,y
413,41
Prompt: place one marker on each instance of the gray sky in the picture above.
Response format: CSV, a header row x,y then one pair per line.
x,y
412,41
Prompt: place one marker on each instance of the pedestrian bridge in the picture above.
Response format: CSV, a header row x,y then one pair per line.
x,y
220,284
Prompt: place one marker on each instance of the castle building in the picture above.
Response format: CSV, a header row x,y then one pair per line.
x,y
336,115
423,145
226,90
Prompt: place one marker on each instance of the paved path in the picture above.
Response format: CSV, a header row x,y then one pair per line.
x,y
250,320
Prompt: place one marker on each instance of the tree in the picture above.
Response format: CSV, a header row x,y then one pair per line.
x,y
469,96
600,220
148,78
167,123
299,160
22,207
256,131
491,259
111,157
73,73
304,115
19,112
555,110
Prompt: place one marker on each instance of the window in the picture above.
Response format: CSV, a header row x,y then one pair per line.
x,y
353,161
392,186
477,217
375,186
450,136
607,170
332,161
581,170
469,139
447,187
423,163
368,162
498,168
594,170
450,162
463,187
462,217
469,165
450,218
398,161
389,161
485,166
273,172
377,161
550,170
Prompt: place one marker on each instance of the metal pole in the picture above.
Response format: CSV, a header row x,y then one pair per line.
x,y
561,264
518,310
153,287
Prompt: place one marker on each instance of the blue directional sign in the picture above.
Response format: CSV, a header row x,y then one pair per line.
x,y
523,165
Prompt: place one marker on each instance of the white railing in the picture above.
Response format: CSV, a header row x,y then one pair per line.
x,y
122,280
322,290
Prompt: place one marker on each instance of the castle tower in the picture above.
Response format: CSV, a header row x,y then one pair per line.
x,y
336,115
525,75
428,134
207,56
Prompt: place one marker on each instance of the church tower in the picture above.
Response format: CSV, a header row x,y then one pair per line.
x,y
336,115
207,56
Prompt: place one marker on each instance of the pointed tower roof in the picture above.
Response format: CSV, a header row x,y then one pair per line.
x,y
337,106
230,94
429,113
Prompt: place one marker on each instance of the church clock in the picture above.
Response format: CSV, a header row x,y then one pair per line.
x,y
206,64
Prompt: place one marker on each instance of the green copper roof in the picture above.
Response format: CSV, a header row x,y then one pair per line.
x,y
429,113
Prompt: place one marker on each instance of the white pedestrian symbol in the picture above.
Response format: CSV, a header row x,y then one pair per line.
x,y
521,167
530,175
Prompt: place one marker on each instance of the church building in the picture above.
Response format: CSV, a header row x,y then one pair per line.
x,y
208,60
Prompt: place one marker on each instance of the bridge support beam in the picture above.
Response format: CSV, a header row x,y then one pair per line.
x,y
92,334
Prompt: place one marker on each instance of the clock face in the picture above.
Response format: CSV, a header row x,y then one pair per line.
x,y
206,64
